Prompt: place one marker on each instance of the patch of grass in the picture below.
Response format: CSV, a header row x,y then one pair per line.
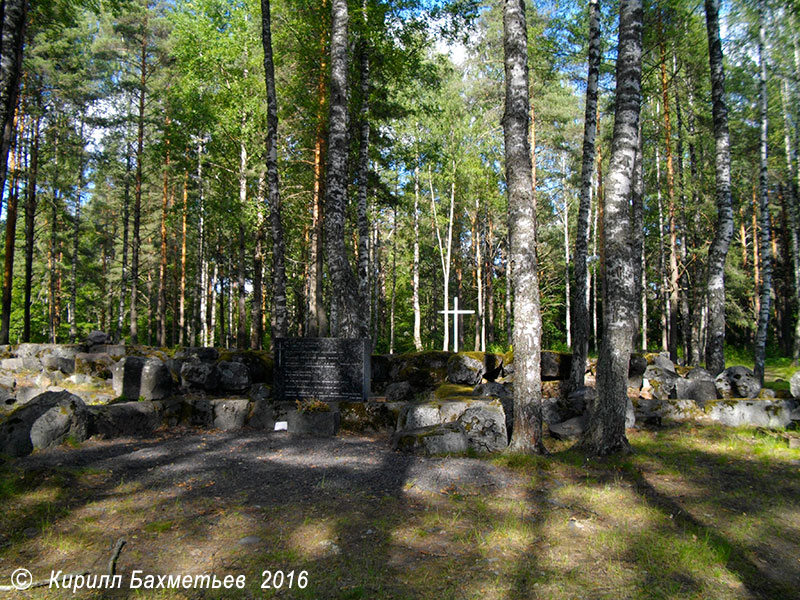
x,y
694,512
452,390
159,526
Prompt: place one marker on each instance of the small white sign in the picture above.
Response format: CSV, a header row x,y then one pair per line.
x,y
281,426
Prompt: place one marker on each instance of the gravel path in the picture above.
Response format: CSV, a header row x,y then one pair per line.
x,y
266,467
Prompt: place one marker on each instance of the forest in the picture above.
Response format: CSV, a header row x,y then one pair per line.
x,y
139,199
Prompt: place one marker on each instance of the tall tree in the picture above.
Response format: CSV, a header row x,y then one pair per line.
x,y
527,434
12,38
344,289
718,252
765,226
279,316
606,431
580,299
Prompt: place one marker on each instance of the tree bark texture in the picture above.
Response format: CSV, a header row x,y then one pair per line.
x,y
580,298
10,239
671,224
718,252
415,266
76,232
344,288
256,316
363,181
527,433
766,251
137,195
279,311
30,217
606,431
12,39
161,310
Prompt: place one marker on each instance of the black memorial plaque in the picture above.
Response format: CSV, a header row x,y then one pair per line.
x,y
328,369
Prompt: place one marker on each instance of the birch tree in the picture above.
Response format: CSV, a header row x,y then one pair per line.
x,y
718,252
606,431
527,433
580,299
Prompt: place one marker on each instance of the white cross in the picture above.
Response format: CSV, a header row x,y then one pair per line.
x,y
455,312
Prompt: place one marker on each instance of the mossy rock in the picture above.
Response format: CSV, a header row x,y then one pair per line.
x,y
449,391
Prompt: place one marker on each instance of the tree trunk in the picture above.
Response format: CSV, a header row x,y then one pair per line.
x,y
318,320
125,226
212,317
280,315
202,261
182,299
52,259
637,237
718,252
673,245
394,280
242,338
756,254
76,233
30,218
662,261
415,265
480,327
766,253
344,288
606,430
580,305
490,275
11,232
527,433
697,295
137,196
14,16
256,316
161,336
793,213
363,182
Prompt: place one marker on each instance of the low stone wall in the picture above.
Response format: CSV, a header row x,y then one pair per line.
x,y
429,400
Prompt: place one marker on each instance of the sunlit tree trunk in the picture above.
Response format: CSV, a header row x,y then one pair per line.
x,y
766,254
182,299
794,212
672,343
161,311
344,288
606,431
637,237
415,265
280,315
256,316
580,301
718,252
137,195
76,233
242,338
527,433
697,296
363,307
318,319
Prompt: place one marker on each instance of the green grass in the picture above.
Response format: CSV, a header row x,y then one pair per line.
x,y
695,511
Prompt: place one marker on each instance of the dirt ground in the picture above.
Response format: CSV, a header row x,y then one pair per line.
x,y
693,513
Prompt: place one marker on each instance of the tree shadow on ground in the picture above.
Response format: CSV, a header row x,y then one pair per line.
x,y
365,522
704,523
